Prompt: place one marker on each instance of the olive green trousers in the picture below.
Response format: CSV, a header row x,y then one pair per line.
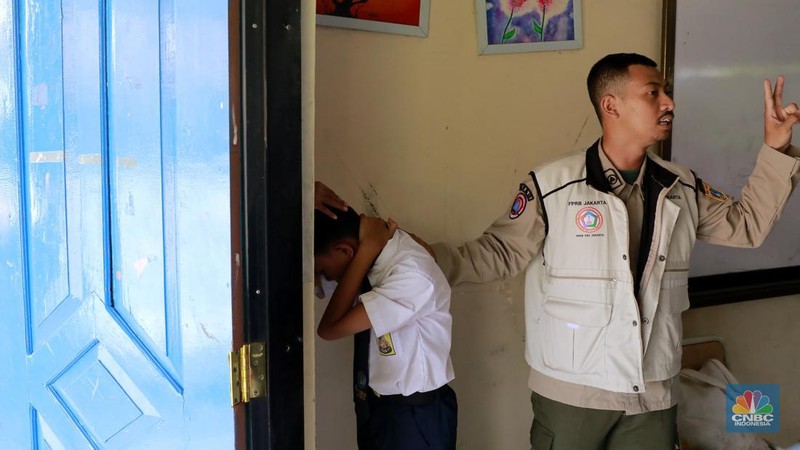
x,y
557,426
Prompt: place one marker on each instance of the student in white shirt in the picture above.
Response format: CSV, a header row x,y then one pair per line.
x,y
406,306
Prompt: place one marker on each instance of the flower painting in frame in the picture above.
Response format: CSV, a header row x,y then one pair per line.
x,y
510,26
409,17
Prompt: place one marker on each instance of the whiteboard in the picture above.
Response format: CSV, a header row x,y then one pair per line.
x,y
723,50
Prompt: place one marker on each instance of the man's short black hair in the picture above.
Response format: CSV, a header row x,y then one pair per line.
x,y
609,71
328,231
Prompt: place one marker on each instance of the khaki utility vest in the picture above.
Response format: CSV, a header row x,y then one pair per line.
x,y
591,319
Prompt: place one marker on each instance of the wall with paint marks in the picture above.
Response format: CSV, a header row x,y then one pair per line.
x,y
428,132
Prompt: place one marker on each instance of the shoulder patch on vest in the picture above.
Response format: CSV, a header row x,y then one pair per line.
x,y
714,194
520,201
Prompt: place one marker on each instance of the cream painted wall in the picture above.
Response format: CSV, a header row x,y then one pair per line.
x,y
430,133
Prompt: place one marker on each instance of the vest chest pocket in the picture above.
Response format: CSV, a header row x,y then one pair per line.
x,y
674,290
575,334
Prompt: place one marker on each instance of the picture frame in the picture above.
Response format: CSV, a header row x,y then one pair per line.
x,y
405,17
513,26
704,59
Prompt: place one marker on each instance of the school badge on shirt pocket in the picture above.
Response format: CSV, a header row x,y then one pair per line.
x,y
385,345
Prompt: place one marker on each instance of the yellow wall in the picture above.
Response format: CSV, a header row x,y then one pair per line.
x,y
428,132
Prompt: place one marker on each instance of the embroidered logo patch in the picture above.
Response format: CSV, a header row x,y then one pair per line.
x,y
518,207
714,194
589,220
521,201
385,345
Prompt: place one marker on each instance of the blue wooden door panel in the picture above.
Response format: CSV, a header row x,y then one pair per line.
x,y
83,138
16,413
112,395
115,317
199,49
137,199
43,172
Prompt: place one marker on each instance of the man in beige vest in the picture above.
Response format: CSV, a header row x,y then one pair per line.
x,y
605,238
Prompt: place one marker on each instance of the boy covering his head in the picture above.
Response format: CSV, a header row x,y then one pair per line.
x,y
396,300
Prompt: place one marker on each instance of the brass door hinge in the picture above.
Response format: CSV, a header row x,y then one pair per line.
x,y
248,372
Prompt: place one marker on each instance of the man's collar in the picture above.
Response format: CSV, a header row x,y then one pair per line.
x,y
603,176
596,175
614,175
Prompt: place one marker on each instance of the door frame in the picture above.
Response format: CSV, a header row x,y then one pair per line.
x,y
266,213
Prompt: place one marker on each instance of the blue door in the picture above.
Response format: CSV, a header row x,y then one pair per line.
x,y
115,254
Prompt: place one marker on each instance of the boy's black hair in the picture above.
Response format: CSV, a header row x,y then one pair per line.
x,y
328,231
609,71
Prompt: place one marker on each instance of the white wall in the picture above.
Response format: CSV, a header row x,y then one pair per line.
x,y
430,133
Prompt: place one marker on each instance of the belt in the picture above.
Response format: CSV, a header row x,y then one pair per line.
x,y
415,399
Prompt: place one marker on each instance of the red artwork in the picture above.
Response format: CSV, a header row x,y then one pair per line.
x,y
401,12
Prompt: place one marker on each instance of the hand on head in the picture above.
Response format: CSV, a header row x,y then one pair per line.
x,y
324,197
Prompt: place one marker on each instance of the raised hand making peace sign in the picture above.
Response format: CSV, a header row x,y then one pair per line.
x,y
778,119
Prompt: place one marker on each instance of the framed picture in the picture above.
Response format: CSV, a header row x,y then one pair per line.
x,y
511,26
716,73
409,17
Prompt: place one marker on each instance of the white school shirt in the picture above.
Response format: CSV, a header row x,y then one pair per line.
x,y
409,309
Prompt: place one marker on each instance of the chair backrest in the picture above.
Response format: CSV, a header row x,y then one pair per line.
x,y
697,351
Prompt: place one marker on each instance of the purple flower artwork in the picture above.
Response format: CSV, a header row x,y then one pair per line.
x,y
544,24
